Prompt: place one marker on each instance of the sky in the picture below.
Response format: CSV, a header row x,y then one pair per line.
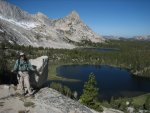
x,y
106,17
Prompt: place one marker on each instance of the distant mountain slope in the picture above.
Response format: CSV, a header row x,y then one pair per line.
x,y
20,27
142,38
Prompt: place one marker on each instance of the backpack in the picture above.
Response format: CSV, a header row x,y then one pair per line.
x,y
18,65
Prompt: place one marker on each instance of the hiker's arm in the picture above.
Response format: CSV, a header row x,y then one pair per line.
x,y
30,67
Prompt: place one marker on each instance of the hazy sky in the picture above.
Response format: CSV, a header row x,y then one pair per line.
x,y
106,17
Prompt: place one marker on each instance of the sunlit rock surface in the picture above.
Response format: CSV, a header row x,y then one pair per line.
x,y
37,79
46,100
51,101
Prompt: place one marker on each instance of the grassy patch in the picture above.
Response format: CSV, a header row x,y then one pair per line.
x,y
136,102
52,75
140,100
28,104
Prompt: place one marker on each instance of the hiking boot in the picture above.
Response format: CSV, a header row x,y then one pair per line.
x,y
30,94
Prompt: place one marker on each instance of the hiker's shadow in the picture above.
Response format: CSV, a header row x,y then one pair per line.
x,y
34,77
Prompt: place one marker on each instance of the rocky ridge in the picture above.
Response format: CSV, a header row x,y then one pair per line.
x,y
46,100
20,27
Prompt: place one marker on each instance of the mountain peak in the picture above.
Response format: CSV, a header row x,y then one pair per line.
x,y
39,31
74,14
39,14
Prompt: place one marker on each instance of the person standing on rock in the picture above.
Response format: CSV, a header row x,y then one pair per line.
x,y
22,67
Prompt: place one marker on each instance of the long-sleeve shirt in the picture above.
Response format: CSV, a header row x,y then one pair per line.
x,y
22,65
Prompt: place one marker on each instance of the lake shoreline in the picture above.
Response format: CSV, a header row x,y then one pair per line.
x,y
56,77
69,80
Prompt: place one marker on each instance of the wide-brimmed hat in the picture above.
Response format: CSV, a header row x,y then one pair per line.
x,y
21,54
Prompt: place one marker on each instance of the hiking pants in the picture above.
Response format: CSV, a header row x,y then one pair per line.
x,y
24,80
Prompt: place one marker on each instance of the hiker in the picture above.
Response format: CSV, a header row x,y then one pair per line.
x,y
22,67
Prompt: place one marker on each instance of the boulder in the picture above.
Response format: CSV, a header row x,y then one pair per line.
x,y
38,78
48,100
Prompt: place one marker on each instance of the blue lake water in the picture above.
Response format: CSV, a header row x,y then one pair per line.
x,y
111,81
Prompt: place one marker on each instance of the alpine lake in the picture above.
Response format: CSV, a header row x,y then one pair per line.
x,y
111,81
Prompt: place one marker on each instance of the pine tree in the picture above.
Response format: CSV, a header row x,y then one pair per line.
x,y
90,92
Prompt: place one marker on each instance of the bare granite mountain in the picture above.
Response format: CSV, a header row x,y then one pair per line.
x,y
20,27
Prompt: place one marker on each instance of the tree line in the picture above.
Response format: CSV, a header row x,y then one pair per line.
x,y
132,55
